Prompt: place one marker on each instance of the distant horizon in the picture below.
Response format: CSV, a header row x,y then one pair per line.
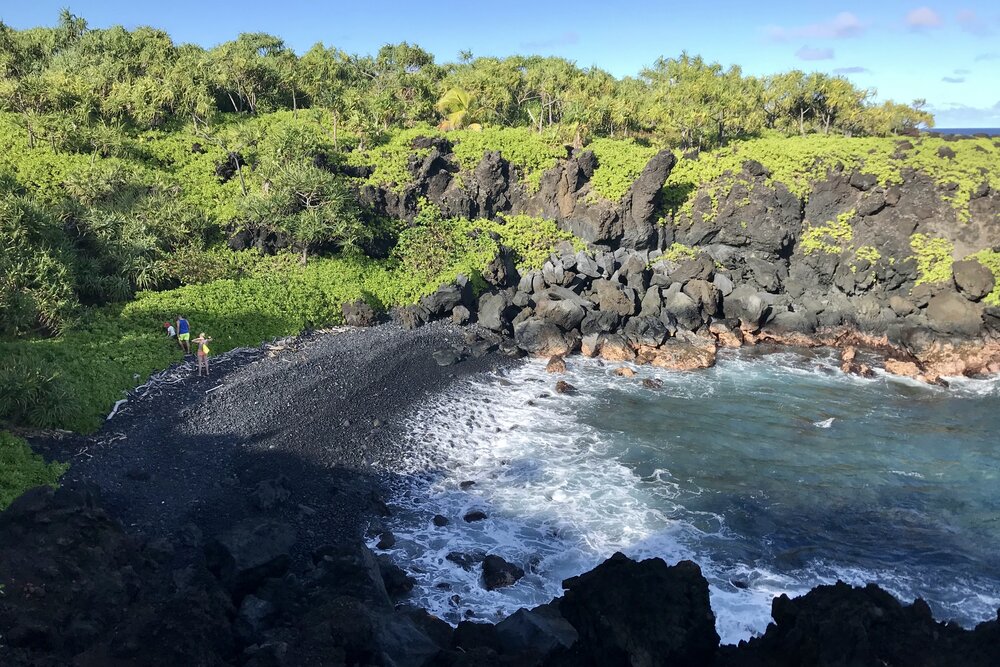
x,y
906,51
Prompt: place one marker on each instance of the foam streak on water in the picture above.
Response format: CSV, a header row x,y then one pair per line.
x,y
775,474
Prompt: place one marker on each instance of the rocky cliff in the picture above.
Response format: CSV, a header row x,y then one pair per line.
x,y
78,590
902,267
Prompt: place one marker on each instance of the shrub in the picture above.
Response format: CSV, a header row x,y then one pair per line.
x,y
934,258
21,469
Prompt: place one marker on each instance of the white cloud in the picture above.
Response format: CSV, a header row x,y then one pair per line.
x,y
852,70
923,18
809,53
955,114
844,24
972,23
953,79
983,57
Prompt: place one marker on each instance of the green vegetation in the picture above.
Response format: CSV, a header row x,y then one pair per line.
x,y
619,163
934,258
868,253
800,161
678,252
122,344
830,238
21,469
991,260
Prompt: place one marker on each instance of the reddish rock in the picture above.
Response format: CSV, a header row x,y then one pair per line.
x,y
625,372
557,364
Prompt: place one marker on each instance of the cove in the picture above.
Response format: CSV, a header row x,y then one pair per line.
x,y
773,470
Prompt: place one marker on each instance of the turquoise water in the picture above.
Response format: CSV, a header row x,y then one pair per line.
x,y
774,472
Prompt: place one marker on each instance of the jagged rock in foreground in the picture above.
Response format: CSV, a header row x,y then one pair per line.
x,y
78,590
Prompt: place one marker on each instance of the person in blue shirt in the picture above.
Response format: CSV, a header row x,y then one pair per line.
x,y
184,334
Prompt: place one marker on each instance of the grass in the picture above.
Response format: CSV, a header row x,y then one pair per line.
x,y
76,377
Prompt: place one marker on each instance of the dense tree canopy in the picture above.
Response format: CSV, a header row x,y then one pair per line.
x,y
60,78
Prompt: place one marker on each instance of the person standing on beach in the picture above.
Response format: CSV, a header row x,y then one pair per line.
x,y
184,334
202,342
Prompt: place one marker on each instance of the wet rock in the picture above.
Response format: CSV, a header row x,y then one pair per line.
x,y
498,573
680,354
556,364
652,383
474,515
625,372
466,561
563,387
397,582
541,338
440,521
466,485
386,540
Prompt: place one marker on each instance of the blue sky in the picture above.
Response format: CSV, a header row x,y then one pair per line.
x,y
947,52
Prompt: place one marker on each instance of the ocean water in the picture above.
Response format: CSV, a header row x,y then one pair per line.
x,y
991,131
775,472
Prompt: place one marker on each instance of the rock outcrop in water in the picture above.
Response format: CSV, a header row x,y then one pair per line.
x,y
78,590
748,262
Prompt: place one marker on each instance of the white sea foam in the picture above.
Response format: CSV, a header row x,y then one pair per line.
x,y
559,499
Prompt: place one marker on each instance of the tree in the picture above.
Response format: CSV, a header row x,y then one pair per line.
x,y
310,205
457,107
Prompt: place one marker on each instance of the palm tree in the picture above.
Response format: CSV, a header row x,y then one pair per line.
x,y
457,107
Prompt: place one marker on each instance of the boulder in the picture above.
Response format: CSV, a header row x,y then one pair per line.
x,y
359,314
556,364
683,308
648,331
684,353
705,295
949,313
442,301
496,311
640,614
615,347
541,338
748,307
625,372
973,280
501,272
411,317
249,553
845,625
563,387
498,573
566,315
600,321
612,296
538,631
460,315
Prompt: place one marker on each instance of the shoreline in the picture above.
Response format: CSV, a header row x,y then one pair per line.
x,y
195,451
186,468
